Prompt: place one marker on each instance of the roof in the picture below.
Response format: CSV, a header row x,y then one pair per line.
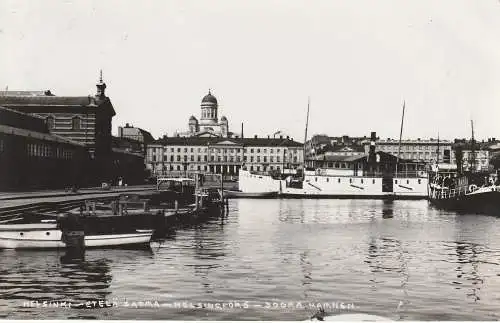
x,y
22,101
48,100
209,98
37,135
26,93
203,141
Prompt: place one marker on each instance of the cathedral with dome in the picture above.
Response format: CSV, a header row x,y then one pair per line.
x,y
209,124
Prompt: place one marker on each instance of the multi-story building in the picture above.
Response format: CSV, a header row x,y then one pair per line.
x,y
222,155
321,144
32,157
418,150
82,119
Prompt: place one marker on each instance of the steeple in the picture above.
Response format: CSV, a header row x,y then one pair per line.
x,y
101,87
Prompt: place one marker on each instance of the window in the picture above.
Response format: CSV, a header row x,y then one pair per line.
x,y
271,150
185,150
271,159
192,157
277,159
350,180
327,179
361,181
178,150
76,123
244,158
407,181
395,181
50,122
178,158
265,151
315,179
171,150
265,159
171,158
258,159
251,150
251,159
185,158
373,181
258,150
338,181
192,150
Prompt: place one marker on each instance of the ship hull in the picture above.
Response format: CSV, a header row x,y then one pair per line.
x,y
483,202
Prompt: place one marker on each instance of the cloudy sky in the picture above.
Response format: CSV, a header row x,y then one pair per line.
x,y
357,60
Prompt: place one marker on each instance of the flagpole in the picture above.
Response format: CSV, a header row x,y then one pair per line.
x,y
400,136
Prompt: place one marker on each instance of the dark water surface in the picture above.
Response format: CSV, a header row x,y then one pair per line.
x,y
401,259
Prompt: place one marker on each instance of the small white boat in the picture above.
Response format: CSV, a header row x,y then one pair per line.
x,y
49,236
240,194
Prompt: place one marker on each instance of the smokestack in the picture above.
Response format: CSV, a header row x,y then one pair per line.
x,y
371,155
242,130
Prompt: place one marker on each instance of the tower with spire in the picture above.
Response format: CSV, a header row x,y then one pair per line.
x,y
101,87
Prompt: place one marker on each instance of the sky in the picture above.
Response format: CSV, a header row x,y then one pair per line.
x,y
357,61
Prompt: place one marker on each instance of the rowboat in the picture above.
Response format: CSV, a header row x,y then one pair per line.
x,y
50,236
240,194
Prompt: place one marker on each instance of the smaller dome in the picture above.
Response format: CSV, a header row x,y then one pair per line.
x,y
192,118
209,98
223,118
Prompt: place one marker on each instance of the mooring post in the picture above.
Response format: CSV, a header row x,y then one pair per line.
x,y
196,191
222,188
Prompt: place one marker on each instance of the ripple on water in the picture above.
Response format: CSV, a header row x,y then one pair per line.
x,y
400,259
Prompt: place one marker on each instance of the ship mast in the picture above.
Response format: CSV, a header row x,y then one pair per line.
x,y
400,136
305,139
473,148
437,152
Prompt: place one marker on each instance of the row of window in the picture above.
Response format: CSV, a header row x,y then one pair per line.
x,y
43,150
211,113
222,150
405,147
76,122
362,180
227,159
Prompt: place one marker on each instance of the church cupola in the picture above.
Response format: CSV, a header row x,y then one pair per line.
x,y
209,107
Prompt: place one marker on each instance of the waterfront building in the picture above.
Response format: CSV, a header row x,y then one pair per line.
x,y
82,119
32,157
324,144
417,150
222,155
209,124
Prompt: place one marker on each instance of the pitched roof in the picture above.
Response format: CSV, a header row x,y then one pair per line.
x,y
47,100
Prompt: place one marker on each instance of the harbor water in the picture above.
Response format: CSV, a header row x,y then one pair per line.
x,y
275,259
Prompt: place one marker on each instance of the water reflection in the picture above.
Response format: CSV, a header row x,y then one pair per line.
x,y
388,209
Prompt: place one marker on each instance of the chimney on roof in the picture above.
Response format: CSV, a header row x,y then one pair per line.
x,y
268,137
288,137
281,137
242,130
255,136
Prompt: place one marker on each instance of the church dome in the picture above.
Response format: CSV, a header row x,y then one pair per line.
x,y
192,118
209,98
223,118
